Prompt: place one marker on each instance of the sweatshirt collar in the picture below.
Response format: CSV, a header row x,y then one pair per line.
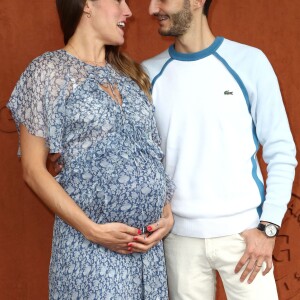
x,y
196,55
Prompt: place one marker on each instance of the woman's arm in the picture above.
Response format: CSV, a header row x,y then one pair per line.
x,y
114,236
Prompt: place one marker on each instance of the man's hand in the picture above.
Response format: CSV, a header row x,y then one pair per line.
x,y
259,250
52,164
157,231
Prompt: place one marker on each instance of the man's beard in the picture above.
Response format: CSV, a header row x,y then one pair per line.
x,y
180,22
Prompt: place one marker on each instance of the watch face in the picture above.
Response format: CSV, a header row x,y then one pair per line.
x,y
270,230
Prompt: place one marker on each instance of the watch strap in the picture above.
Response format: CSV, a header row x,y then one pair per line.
x,y
261,227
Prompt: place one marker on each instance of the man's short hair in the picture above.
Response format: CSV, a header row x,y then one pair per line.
x,y
206,7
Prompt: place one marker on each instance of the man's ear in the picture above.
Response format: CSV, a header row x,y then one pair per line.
x,y
196,4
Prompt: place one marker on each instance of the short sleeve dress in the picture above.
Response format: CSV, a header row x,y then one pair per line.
x,y
112,170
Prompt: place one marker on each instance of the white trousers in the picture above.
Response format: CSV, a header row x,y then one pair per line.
x,y
192,264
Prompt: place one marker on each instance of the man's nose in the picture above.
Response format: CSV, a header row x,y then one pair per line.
x,y
153,7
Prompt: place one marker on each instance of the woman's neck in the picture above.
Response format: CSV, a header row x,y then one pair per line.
x,y
85,50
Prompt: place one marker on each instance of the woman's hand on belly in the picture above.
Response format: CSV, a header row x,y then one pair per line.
x,y
156,232
113,236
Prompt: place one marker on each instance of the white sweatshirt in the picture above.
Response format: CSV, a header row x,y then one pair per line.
x,y
213,109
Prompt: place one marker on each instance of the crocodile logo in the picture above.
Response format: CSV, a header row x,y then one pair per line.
x,y
228,93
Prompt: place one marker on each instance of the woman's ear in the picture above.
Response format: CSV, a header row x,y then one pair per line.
x,y
87,9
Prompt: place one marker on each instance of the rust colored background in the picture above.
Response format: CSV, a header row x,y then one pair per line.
x,y
29,28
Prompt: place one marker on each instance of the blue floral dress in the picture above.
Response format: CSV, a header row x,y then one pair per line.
x,y
112,170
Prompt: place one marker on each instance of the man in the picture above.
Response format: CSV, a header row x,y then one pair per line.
x,y
216,101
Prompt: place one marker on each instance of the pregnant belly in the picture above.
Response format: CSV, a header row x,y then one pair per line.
x,y
118,188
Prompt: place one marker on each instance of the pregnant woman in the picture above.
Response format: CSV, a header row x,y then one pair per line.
x,y
91,103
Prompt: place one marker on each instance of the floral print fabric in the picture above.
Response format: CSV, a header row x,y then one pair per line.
x,y
112,170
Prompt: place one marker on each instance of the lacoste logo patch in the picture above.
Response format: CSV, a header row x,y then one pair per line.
x,y
228,93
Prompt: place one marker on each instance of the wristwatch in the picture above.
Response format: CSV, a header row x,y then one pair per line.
x,y
270,229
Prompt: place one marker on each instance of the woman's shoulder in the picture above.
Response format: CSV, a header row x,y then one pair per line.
x,y
48,67
49,60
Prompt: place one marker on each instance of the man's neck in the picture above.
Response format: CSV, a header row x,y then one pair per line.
x,y
197,38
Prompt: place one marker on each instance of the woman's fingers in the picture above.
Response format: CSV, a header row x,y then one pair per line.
x,y
128,229
116,236
125,239
161,223
140,247
144,242
155,233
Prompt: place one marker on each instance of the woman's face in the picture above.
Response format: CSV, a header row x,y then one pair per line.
x,y
108,20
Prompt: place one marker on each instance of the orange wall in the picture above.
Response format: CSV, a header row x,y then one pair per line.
x,y
30,28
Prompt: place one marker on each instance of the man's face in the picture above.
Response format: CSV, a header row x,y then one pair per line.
x,y
174,16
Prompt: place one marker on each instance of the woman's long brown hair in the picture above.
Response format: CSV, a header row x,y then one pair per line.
x,y
128,67
70,13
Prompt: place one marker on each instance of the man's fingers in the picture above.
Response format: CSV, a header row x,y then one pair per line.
x,y
241,263
54,156
249,268
256,269
57,168
269,265
253,274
